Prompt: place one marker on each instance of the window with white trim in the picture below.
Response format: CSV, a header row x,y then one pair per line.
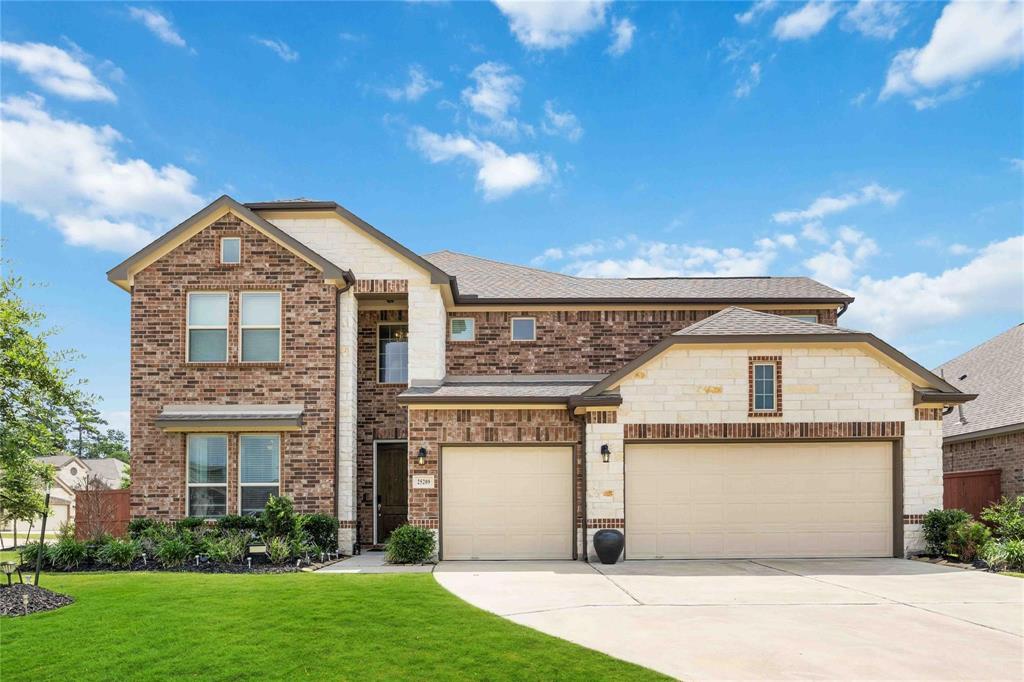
x,y
764,387
393,353
231,250
804,318
462,328
207,475
524,329
207,327
260,322
259,471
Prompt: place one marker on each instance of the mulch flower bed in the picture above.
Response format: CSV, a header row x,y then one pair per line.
x,y
191,567
12,602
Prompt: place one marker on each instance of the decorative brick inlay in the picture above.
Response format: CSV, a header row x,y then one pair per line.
x,y
1003,451
346,524
761,360
754,431
910,519
927,414
160,375
602,417
595,524
424,523
573,341
382,286
434,428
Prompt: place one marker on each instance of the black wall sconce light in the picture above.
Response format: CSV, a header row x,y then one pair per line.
x,y
421,456
606,453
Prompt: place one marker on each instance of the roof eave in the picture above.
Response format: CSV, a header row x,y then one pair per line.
x,y
472,299
481,400
924,396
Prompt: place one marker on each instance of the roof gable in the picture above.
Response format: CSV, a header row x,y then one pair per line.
x,y
123,274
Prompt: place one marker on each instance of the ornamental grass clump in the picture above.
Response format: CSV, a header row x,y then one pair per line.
x,y
118,553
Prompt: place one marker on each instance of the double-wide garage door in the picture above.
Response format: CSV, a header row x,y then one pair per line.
x,y
759,500
506,502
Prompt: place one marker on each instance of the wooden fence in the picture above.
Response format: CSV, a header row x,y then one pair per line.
x,y
99,512
971,491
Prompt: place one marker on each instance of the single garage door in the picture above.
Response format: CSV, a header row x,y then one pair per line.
x,y
759,500
506,503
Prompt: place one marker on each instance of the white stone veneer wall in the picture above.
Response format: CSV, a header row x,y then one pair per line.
x,y
427,320
605,498
348,325
922,476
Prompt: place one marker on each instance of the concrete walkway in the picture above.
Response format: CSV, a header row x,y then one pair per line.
x,y
767,619
372,562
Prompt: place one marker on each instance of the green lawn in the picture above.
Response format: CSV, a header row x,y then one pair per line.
x,y
326,627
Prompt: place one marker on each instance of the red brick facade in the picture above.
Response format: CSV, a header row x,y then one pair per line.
x,y
160,375
1005,451
573,341
757,431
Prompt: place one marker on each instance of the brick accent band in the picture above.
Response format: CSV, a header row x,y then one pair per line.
x,y
346,524
382,286
602,417
424,523
757,431
597,524
909,519
927,414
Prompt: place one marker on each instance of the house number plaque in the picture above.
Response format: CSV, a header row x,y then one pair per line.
x,y
422,481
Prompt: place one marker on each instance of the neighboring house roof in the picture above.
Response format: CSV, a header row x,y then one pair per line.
x,y
123,273
56,460
995,371
744,326
106,468
229,416
481,279
517,388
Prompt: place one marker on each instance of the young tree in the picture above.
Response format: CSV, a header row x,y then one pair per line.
x,y
39,399
113,444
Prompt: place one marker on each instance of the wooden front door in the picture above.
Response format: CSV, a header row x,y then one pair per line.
x,y
392,488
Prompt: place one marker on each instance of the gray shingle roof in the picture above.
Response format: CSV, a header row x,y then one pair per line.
x,y
489,279
995,371
512,388
742,321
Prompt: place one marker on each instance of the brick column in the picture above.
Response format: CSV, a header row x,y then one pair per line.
x,y
605,480
348,324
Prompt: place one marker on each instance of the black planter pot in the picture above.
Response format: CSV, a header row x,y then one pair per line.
x,y
608,543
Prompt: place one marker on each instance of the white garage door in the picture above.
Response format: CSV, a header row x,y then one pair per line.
x,y
759,500
506,503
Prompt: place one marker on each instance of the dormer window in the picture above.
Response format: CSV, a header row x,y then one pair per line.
x,y
231,250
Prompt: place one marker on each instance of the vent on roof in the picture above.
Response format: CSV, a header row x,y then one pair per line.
x,y
962,377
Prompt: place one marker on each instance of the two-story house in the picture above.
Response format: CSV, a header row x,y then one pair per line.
x,y
291,348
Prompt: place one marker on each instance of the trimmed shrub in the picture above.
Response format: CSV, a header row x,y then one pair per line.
x,y
118,553
279,549
67,553
236,522
410,545
322,530
174,552
966,539
139,525
937,524
279,516
1006,517
190,523
30,552
229,548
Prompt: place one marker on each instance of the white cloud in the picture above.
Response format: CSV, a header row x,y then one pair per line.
x,y
815,232
495,96
826,205
499,173
756,10
419,84
746,84
787,240
931,101
859,99
960,249
806,22
875,19
70,174
968,39
991,282
56,71
622,37
562,123
553,253
845,256
551,25
1017,164
279,47
159,25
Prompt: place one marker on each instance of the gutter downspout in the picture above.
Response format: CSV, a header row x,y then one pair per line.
x,y
842,310
583,492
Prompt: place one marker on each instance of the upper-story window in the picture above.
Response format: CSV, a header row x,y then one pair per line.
x,y
524,329
231,250
805,318
462,328
259,470
207,327
393,354
765,394
207,475
261,326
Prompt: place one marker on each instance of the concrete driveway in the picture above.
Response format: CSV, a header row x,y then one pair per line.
x,y
766,619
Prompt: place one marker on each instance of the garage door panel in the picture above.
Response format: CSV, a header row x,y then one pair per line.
x,y
506,503
766,499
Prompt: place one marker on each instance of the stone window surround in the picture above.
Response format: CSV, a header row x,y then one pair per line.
x,y
754,360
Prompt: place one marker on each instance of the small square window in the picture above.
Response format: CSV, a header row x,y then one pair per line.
x,y
231,250
524,329
463,328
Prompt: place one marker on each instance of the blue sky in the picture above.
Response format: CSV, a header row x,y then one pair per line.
x,y
875,146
